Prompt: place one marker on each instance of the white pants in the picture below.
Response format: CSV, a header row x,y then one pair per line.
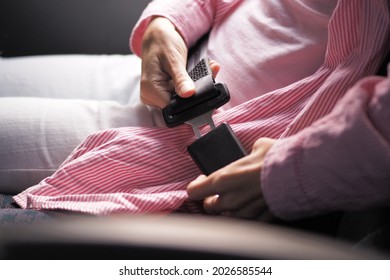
x,y
49,104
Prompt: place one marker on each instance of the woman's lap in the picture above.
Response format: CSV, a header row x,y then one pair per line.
x,y
39,129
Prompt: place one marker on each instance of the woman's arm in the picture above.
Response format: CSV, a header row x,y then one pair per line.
x,y
161,38
191,18
341,162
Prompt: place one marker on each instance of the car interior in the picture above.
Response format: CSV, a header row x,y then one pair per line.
x,y
54,27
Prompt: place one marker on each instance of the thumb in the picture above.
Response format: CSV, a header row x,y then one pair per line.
x,y
198,189
183,83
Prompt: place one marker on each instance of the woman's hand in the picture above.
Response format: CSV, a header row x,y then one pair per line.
x,y
164,59
235,189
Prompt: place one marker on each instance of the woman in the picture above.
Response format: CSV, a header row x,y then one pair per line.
x,y
286,65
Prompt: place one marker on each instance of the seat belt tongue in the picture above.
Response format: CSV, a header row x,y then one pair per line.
x,y
219,146
197,122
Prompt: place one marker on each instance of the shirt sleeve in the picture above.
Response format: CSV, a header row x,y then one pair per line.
x,y
341,162
192,18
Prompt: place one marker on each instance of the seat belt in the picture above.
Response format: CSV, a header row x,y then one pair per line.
x,y
220,146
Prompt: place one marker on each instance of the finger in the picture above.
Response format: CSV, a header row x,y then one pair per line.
x,y
200,188
185,89
155,86
183,83
215,67
251,210
221,181
210,205
158,102
155,93
240,205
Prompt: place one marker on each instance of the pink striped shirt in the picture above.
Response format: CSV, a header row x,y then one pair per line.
x,y
146,170
340,163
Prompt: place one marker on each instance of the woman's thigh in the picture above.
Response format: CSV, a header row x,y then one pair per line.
x,y
49,104
37,134
95,77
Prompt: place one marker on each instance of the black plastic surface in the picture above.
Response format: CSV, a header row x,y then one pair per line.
x,y
208,96
216,149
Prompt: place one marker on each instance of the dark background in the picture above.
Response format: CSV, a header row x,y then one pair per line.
x,y
33,27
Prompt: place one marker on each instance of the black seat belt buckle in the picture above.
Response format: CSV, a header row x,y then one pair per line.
x,y
216,149
220,146
209,95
